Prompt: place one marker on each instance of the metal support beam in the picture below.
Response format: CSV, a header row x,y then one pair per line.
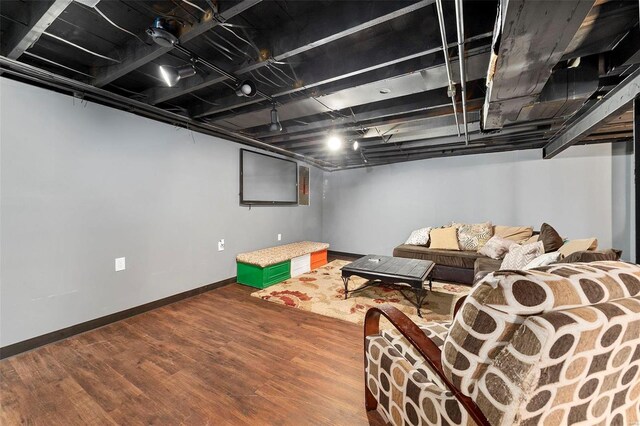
x,y
338,23
135,55
43,13
611,104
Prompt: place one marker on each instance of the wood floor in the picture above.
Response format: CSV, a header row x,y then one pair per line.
x,y
220,358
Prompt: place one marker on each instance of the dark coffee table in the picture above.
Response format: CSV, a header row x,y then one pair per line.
x,y
399,272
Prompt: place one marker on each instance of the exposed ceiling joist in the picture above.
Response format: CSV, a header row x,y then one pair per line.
x,y
418,81
42,14
135,54
338,23
613,103
530,34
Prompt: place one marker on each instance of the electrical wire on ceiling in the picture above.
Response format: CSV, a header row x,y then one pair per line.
x,y
195,6
91,52
106,18
285,82
231,44
270,65
271,82
56,64
203,99
219,48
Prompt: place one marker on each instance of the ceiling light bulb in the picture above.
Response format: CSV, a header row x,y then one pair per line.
x,y
355,145
246,88
334,143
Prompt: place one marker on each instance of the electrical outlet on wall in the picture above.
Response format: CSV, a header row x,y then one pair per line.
x,y
221,245
279,237
120,264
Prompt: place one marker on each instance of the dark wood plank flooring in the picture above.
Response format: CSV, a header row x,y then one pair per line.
x,y
220,358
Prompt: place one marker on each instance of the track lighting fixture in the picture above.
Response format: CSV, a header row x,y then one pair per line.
x,y
275,125
246,88
171,75
164,32
355,145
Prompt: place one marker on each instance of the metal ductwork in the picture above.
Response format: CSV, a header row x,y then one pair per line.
x,y
565,92
527,32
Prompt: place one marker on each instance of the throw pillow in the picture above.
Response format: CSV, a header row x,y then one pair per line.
x,y
515,233
519,256
444,239
550,238
532,239
592,256
496,247
474,236
543,260
578,245
419,237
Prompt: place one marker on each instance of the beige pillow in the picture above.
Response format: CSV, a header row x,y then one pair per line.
x,y
519,256
578,245
496,247
473,236
530,240
515,233
444,239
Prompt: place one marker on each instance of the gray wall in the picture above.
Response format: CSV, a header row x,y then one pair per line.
x,y
372,210
623,194
84,184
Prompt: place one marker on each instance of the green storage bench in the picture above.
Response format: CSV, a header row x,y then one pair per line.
x,y
262,268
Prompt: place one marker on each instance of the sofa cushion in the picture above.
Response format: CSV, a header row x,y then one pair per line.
x,y
592,256
578,245
496,247
419,237
458,259
519,256
515,233
474,236
444,238
550,238
543,260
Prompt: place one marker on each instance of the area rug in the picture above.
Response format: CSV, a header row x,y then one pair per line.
x,y
322,291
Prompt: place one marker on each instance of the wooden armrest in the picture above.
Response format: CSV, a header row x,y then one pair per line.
x,y
429,350
458,305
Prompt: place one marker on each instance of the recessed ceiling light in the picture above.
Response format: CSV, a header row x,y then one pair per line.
x,y
385,91
334,143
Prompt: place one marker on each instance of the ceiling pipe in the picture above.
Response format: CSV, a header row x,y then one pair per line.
x,y
451,90
461,60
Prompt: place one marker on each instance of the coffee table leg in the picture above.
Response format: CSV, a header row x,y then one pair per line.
x,y
345,280
421,294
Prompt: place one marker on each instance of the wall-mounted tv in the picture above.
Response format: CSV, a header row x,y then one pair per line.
x,y
267,180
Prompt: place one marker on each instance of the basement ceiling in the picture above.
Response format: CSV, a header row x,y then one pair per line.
x,y
372,72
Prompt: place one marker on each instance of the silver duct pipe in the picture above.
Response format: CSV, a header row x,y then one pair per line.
x,y
451,90
461,59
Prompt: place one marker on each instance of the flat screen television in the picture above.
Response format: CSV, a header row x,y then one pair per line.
x,y
267,180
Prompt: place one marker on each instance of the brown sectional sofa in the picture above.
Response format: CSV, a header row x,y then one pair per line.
x,y
454,266
468,267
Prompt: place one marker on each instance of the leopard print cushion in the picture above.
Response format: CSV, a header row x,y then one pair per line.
x,y
279,254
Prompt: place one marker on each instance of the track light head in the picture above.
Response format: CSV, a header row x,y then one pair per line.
x,y
275,125
164,32
246,88
171,75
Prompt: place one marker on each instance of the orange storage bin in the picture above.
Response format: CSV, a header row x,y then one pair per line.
x,y
318,259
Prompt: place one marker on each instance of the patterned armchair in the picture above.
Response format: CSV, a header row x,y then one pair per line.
x,y
551,346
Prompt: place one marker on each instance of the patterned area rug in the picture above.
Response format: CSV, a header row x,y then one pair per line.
x,y
322,291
